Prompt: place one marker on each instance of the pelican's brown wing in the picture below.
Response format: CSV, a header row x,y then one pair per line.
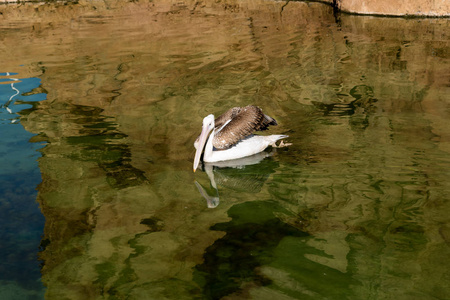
x,y
242,122
228,115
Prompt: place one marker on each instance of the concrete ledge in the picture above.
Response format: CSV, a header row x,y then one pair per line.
x,y
429,8
419,8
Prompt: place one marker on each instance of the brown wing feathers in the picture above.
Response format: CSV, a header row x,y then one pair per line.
x,y
244,121
228,115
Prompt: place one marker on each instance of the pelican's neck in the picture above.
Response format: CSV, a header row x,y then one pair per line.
x,y
209,145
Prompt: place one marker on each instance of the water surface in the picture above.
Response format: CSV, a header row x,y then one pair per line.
x,y
21,220
356,208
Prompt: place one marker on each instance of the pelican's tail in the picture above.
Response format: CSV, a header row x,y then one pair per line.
x,y
276,137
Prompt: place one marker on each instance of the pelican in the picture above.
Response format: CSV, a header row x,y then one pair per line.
x,y
230,136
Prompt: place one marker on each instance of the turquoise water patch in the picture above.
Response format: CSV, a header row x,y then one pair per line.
x,y
21,220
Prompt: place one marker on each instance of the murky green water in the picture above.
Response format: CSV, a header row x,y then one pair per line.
x,y
356,208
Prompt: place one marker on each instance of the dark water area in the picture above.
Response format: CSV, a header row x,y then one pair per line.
x,y
101,103
21,220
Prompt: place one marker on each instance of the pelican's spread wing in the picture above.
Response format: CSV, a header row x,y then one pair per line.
x,y
238,123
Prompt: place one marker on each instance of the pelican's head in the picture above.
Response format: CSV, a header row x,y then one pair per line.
x,y
199,144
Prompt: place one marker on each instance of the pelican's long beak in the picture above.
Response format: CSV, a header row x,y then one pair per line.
x,y
201,144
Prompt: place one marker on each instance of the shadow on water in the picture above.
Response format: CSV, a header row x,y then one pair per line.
x,y
255,244
234,260
99,140
363,101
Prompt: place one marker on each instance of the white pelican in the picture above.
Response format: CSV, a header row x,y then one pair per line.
x,y
232,137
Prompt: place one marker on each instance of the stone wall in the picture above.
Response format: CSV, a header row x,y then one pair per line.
x,y
432,8
395,7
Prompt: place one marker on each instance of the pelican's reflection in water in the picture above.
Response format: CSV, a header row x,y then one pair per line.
x,y
246,174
